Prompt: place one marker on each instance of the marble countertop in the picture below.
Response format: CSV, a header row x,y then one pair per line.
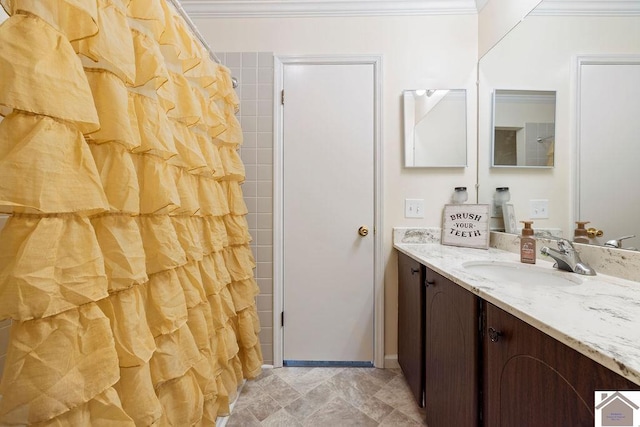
x,y
600,317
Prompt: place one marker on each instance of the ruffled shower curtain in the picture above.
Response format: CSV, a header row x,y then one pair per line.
x,y
125,263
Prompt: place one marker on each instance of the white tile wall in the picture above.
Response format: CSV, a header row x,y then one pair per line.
x,y
254,71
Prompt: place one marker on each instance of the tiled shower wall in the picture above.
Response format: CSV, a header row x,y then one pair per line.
x,y
539,153
254,71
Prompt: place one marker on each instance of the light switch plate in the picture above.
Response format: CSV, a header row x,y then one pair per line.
x,y
539,209
414,208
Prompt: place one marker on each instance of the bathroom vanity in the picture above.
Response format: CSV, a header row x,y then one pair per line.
x,y
496,352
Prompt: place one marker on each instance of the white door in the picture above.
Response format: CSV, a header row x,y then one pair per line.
x,y
610,148
328,195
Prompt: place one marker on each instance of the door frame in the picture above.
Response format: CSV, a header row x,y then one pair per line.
x,y
580,60
278,200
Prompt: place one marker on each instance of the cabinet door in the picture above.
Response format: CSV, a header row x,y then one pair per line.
x,y
452,345
531,379
411,323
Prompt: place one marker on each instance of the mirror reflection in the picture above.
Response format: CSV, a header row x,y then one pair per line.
x,y
608,148
523,128
435,127
543,51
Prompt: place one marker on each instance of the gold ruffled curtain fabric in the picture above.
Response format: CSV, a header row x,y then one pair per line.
x,y
125,262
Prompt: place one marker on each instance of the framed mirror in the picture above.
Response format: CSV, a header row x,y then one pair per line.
x,y
435,128
523,128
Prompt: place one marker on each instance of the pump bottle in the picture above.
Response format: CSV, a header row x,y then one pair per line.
x,y
580,234
527,244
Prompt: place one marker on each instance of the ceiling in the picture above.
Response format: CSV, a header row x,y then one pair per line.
x,y
301,8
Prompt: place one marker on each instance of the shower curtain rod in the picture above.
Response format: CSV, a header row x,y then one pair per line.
x,y
196,32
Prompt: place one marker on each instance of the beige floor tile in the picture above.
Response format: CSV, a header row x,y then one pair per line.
x,y
398,419
313,378
375,409
339,412
311,402
281,419
279,390
322,396
263,406
242,418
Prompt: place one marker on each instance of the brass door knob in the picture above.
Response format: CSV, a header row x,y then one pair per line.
x,y
363,231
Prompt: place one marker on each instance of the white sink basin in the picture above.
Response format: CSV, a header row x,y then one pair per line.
x,y
525,274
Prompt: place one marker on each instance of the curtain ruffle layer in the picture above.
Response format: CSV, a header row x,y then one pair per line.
x,y
62,176
42,74
125,264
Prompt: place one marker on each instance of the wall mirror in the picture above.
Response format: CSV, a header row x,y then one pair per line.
x,y
523,128
542,51
435,128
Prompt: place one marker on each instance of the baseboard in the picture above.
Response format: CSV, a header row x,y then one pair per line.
x,y
391,361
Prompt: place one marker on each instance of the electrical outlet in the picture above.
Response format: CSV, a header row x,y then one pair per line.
x,y
539,209
414,208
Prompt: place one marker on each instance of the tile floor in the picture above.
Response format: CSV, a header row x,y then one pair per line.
x,y
326,397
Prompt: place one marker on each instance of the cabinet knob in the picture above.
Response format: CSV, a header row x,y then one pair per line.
x,y
494,335
415,270
429,282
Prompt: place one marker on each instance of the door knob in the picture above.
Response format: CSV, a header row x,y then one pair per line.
x,y
363,231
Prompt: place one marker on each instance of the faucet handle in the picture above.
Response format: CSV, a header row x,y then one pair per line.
x,y
565,245
617,243
594,232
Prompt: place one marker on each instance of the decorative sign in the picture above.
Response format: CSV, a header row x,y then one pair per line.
x,y
466,226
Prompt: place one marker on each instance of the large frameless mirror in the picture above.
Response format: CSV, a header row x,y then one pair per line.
x,y
435,128
523,128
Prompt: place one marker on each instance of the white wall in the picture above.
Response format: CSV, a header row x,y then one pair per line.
x,y
497,18
540,54
418,52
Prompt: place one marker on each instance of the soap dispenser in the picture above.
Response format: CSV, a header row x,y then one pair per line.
x,y
527,244
580,234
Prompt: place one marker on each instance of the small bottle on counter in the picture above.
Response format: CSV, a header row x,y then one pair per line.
x,y
580,234
527,244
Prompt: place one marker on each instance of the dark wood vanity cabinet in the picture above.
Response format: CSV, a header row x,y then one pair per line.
x,y
479,366
452,349
411,320
531,379
438,343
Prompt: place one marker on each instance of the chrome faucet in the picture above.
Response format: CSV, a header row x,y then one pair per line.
x,y
567,258
617,243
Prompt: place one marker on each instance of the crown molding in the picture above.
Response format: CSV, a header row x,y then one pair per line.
x,y
315,8
480,4
527,97
587,8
